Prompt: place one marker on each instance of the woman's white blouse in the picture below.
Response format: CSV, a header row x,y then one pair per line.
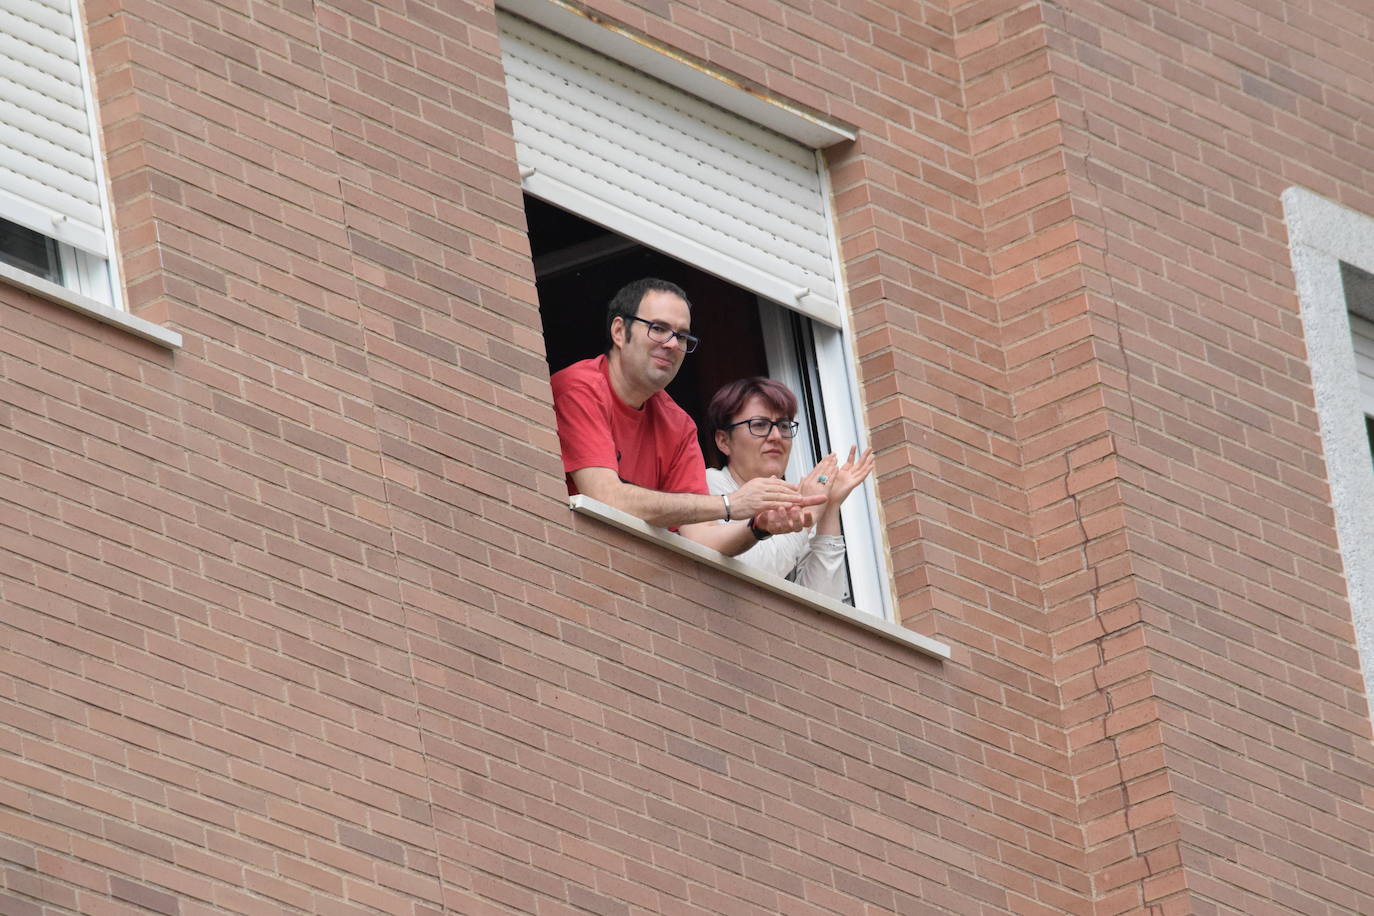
x,y
815,561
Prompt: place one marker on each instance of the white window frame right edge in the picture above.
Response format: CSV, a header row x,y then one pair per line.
x,y
842,404
94,276
1322,234
837,365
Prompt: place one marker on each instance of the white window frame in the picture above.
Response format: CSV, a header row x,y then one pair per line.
x,y
1322,234
837,418
835,371
88,275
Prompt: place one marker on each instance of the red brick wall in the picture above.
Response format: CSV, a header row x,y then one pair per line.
x,y
1229,735
296,618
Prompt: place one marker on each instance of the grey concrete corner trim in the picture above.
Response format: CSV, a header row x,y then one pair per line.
x,y
92,308
585,505
1322,234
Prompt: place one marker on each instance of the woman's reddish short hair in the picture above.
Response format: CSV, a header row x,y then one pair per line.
x,y
726,402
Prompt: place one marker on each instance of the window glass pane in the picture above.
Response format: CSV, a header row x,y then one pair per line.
x,y
578,268
29,251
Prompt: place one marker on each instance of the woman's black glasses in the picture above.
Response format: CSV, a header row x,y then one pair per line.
x,y
762,426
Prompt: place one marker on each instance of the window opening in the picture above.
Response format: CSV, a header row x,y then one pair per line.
x,y
628,172
579,266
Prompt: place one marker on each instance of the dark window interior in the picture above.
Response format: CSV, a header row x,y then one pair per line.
x,y
580,265
29,251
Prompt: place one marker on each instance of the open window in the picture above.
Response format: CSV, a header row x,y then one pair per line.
x,y
627,175
53,222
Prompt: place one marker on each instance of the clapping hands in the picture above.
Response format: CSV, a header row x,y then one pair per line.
x,y
827,486
836,481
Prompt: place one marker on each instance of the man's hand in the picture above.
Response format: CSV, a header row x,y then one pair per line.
x,y
775,505
764,494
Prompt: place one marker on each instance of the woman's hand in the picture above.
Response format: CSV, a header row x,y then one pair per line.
x,y
821,478
847,477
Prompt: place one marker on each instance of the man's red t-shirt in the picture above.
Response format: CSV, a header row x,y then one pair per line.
x,y
654,447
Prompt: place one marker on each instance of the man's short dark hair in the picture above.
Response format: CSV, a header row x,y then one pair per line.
x,y
625,303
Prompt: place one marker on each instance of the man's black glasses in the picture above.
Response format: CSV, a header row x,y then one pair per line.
x,y
762,426
661,333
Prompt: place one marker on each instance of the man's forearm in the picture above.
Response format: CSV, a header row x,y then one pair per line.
x,y
662,510
778,506
694,514
670,510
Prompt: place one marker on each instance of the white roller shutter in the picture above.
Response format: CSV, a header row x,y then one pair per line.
x,y
1362,332
48,178
669,170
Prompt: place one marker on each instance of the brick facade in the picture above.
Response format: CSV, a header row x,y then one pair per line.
x,y
296,618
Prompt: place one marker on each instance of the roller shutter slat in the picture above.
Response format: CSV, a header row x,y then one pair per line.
x,y
47,165
710,187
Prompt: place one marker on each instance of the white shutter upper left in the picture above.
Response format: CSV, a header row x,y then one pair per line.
x,y
48,179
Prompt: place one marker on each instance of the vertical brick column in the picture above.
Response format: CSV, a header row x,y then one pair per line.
x,y
959,244
1205,650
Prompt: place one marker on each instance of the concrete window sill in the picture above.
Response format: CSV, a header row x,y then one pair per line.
x,y
92,308
584,505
